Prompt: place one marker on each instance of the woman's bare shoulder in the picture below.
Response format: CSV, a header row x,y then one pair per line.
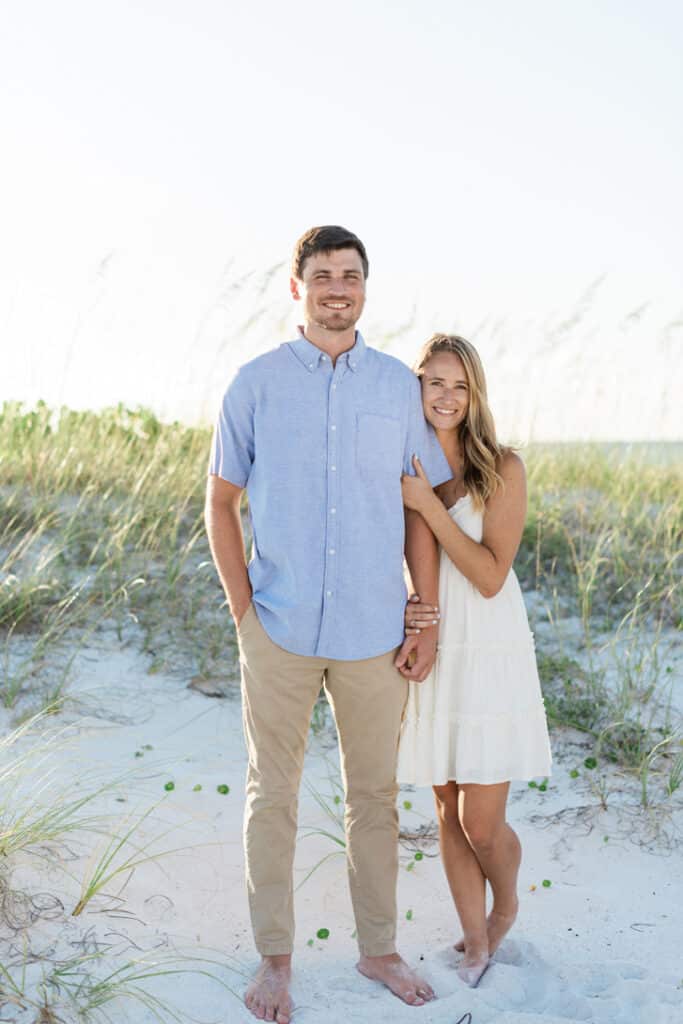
x,y
511,467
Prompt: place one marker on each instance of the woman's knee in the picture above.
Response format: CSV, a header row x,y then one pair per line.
x,y
446,798
481,832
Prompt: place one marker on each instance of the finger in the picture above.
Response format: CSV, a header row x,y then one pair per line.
x,y
420,668
404,653
418,469
414,598
409,631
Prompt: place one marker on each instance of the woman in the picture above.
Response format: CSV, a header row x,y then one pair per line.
x,y
478,720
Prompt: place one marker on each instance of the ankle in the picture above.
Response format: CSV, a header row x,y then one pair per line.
x,y
280,961
506,908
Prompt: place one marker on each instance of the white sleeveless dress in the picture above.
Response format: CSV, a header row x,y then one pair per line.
x,y
479,715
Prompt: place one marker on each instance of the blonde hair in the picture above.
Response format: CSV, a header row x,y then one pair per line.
x,y
477,432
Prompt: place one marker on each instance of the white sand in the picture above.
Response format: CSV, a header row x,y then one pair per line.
x,y
602,943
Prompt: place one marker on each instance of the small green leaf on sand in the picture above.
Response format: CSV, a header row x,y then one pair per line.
x,y
337,798
323,933
573,774
542,788
409,915
532,784
546,883
590,762
310,942
195,789
222,788
419,855
169,786
407,806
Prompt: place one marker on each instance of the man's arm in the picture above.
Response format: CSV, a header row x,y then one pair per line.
x,y
417,653
224,529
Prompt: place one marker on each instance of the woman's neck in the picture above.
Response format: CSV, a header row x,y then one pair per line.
x,y
452,448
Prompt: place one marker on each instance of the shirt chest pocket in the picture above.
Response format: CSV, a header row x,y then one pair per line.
x,y
379,452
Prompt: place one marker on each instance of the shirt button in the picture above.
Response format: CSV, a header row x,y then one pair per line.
x,y
331,551
333,468
332,511
329,593
324,358
334,387
333,427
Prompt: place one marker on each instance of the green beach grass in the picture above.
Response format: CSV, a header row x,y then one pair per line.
x,y
101,524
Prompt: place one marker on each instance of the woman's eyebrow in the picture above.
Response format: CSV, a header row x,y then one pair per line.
x,y
440,380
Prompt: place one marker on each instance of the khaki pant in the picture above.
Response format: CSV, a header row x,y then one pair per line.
x,y
367,697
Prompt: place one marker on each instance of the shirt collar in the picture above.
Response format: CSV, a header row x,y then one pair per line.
x,y
310,355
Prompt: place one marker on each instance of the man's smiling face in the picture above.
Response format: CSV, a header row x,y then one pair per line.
x,y
332,289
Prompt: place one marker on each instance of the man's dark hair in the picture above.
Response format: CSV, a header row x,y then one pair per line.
x,y
326,239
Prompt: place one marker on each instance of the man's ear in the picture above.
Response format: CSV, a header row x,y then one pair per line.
x,y
294,288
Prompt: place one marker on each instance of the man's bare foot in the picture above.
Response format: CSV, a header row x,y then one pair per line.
x,y
400,979
497,927
268,995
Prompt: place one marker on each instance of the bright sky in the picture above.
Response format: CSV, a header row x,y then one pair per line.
x,y
496,158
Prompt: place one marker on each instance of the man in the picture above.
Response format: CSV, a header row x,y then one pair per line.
x,y
319,431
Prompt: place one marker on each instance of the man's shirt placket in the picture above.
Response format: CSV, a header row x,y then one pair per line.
x,y
334,440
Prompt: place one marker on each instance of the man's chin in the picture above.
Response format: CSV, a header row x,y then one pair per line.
x,y
337,324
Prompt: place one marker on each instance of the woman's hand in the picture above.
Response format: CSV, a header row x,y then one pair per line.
x,y
417,490
419,616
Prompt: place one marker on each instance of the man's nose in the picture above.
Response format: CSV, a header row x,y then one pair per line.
x,y
338,286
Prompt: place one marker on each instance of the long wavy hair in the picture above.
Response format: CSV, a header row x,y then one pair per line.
x,y
477,432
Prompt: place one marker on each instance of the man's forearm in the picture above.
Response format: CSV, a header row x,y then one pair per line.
x,y
422,556
226,540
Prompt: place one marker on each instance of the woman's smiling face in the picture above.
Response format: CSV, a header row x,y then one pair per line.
x,y
445,391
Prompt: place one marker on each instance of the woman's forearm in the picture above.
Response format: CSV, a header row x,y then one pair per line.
x,y
474,560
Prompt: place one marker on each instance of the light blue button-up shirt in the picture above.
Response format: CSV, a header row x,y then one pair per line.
x,y
321,450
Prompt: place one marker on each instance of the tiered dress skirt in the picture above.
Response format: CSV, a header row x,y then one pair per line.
x,y
479,716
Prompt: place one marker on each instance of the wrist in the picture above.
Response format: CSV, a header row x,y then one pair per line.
x,y
428,504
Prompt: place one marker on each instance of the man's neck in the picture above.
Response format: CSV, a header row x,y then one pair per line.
x,y
332,343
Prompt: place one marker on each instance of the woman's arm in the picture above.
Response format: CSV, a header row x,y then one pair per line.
x,y
487,564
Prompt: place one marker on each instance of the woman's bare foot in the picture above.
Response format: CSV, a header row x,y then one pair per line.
x,y
400,979
497,927
268,995
472,966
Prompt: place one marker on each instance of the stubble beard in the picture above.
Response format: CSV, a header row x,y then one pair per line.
x,y
338,322
338,325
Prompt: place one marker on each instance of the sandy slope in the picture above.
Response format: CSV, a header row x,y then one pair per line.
x,y
600,944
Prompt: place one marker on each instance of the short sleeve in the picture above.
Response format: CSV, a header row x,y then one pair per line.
x,y
232,449
423,442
